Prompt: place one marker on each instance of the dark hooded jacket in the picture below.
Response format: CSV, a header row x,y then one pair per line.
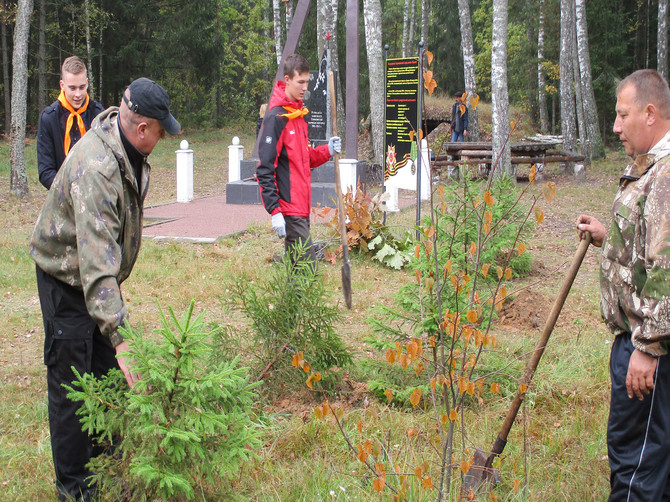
x,y
286,158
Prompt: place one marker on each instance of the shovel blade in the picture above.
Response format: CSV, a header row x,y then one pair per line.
x,y
480,475
346,283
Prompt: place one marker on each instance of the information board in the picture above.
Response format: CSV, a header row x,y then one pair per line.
x,y
402,92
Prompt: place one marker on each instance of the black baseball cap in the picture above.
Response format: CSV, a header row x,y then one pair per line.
x,y
150,99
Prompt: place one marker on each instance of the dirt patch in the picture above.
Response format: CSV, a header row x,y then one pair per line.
x,y
527,309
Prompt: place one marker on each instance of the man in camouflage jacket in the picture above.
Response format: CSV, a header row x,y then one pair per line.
x,y
635,293
85,243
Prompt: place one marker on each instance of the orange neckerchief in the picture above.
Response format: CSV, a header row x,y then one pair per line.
x,y
294,113
73,113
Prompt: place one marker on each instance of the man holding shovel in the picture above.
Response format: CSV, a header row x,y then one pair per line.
x,y
635,293
286,158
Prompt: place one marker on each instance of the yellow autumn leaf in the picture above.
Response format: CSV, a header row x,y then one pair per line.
x,y
362,455
444,418
318,412
495,387
485,269
306,367
465,466
389,395
533,174
500,272
378,484
380,468
447,267
523,388
512,124
430,86
473,248
508,274
412,432
549,190
297,358
428,74
415,397
390,356
359,426
417,251
493,498
488,217
418,471
431,341
474,101
522,248
470,389
517,484
453,415
489,199
429,57
427,483
411,135
472,316
539,215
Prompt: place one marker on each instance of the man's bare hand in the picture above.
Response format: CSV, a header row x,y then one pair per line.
x,y
124,364
640,377
591,225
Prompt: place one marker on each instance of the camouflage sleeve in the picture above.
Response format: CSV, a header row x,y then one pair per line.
x,y
99,225
653,336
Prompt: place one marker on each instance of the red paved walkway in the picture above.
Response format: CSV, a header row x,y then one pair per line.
x,y
207,219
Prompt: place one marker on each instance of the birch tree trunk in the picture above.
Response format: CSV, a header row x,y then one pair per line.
x,y
322,8
467,46
278,29
42,60
334,58
581,124
411,50
372,15
499,95
662,39
18,182
568,126
405,28
289,14
425,14
89,56
541,81
5,69
596,148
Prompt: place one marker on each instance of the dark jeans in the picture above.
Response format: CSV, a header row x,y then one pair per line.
x,y
638,432
297,230
71,339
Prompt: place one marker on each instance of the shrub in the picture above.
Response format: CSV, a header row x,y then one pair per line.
x,y
186,423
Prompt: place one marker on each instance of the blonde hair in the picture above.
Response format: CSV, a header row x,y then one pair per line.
x,y
72,65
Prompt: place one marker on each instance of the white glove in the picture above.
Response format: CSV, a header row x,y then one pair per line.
x,y
279,225
335,145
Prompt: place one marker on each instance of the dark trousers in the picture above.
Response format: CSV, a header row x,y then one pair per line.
x,y
297,230
71,339
638,432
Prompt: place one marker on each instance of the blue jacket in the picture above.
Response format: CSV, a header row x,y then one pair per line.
x,y
51,135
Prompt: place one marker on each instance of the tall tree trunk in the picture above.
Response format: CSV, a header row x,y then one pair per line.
x,y
372,14
541,81
593,136
425,14
499,94
18,182
100,53
568,126
334,57
584,145
42,60
662,39
411,50
467,46
289,14
5,69
323,9
89,56
278,29
405,28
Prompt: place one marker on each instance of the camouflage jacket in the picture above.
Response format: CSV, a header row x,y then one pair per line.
x,y
89,231
635,269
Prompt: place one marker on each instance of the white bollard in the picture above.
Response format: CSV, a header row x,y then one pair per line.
x,y
348,175
235,156
184,173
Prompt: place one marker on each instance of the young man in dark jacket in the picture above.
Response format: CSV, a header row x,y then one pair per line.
x,y
459,118
286,158
65,121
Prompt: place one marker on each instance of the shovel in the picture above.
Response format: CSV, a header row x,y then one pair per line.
x,y
482,471
346,265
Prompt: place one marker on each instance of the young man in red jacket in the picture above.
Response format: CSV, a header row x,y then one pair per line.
x,y
286,158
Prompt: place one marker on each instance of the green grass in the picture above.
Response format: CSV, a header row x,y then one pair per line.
x,y
556,449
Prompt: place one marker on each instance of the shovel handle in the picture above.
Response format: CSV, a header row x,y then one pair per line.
x,y
346,269
542,343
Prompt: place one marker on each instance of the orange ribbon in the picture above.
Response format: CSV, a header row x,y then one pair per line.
x,y
294,113
73,113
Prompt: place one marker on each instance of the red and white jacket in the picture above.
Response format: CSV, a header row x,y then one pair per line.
x,y
286,158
